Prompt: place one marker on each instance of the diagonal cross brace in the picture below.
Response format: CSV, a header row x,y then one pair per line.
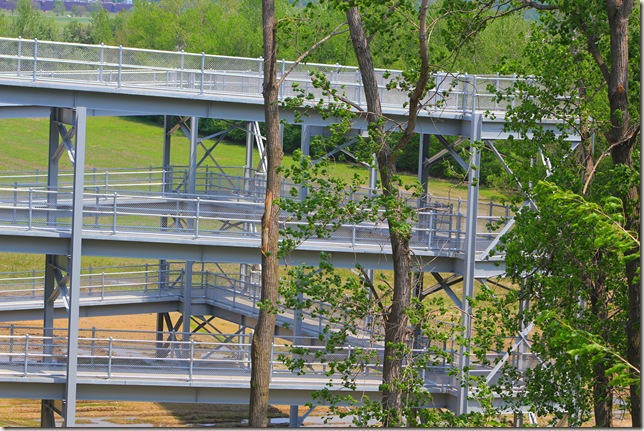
x,y
66,144
61,287
439,278
450,148
521,339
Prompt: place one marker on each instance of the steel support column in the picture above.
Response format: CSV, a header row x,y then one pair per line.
x,y
470,258
191,188
305,146
69,408
187,300
248,165
423,154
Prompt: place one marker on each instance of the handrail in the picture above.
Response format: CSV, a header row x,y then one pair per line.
x,y
203,74
198,216
202,360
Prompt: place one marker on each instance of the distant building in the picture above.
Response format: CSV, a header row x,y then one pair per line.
x,y
48,5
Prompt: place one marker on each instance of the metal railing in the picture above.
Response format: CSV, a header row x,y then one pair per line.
x,y
103,285
202,75
161,357
196,216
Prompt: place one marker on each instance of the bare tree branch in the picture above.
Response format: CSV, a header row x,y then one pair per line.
x,y
306,53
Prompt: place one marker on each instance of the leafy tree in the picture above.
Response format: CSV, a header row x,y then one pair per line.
x,y
30,23
262,342
78,10
11,5
59,8
100,27
76,32
94,7
590,62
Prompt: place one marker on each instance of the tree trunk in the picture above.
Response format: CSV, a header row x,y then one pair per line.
x,y
624,136
262,343
396,321
602,391
397,329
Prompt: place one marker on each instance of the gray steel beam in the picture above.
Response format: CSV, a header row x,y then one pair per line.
x,y
229,251
469,259
149,102
75,269
187,392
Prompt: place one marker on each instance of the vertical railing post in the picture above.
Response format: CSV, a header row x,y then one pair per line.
x,y
100,68
203,71
109,358
19,54
26,354
31,192
183,59
33,282
192,359
120,67
102,286
97,202
281,95
93,349
514,80
35,59
197,217
260,71
114,214
474,93
12,328
147,277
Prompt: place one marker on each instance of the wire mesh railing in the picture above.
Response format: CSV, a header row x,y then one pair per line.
x,y
196,74
199,217
164,358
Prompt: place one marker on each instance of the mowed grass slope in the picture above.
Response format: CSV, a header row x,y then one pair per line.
x,y
121,142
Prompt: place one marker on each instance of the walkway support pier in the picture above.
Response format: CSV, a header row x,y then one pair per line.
x,y
79,119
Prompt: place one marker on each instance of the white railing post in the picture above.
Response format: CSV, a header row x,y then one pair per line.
x,y
19,54
147,278
474,93
120,67
35,59
31,197
26,354
93,349
109,358
192,359
102,286
100,68
197,217
114,214
11,332
203,71
281,95
182,67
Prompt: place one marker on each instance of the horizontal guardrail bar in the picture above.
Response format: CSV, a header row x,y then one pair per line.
x,y
202,74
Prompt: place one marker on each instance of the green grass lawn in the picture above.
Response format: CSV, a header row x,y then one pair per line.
x,y
117,142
